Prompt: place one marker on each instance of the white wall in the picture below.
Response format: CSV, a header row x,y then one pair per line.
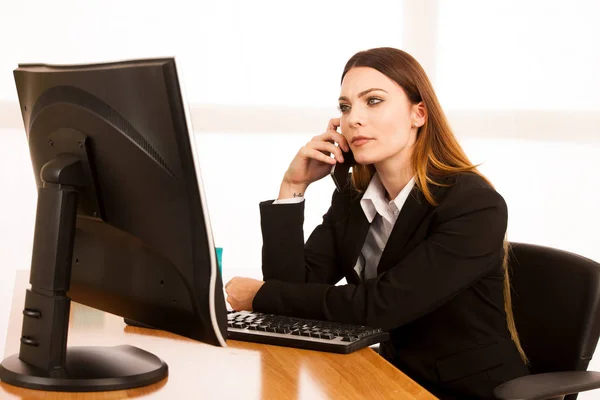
x,y
518,80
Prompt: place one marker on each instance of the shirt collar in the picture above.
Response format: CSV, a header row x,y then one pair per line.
x,y
374,201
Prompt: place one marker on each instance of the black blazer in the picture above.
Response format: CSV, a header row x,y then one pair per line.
x,y
439,289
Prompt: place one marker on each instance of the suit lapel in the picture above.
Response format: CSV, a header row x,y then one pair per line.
x,y
410,218
413,211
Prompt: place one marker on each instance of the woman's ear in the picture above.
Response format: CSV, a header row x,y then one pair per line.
x,y
419,114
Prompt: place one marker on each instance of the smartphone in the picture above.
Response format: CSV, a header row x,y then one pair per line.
x,y
340,171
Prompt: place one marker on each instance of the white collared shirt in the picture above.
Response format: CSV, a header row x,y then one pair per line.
x,y
382,215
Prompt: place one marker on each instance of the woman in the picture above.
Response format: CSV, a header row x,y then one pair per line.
x,y
419,236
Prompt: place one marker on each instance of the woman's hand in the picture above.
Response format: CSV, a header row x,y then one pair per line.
x,y
241,292
314,161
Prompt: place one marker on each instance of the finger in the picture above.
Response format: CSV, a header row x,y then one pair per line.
x,y
335,137
332,136
327,149
315,154
341,139
231,281
233,303
333,124
338,138
323,137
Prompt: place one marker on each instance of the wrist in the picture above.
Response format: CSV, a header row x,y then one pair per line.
x,y
289,190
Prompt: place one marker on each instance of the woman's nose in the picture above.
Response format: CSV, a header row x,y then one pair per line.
x,y
356,117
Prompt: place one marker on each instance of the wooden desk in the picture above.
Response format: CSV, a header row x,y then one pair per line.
x,y
242,370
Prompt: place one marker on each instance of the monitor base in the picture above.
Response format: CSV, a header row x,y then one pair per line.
x,y
89,369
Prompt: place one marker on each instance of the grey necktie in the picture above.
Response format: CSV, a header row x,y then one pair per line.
x,y
373,248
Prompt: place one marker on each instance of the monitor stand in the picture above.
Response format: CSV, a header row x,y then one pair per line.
x,y
44,361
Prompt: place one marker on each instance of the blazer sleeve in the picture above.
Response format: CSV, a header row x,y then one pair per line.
x,y
286,258
464,245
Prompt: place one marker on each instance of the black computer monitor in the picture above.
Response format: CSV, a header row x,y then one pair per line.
x,y
121,223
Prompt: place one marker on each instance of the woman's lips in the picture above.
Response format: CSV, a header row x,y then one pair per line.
x,y
360,141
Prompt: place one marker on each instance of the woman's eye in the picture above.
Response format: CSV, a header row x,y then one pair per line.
x,y
370,101
343,108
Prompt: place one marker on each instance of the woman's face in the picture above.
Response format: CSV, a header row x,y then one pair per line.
x,y
377,117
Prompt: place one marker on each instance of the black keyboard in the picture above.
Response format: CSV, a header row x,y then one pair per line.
x,y
301,333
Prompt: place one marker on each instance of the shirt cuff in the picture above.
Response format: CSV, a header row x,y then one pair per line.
x,y
293,200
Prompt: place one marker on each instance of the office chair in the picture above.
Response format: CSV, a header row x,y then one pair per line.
x,y
556,303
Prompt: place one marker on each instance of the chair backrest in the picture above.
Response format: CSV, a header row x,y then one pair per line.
x,y
556,303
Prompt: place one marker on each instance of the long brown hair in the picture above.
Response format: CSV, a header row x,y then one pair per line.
x,y
436,152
